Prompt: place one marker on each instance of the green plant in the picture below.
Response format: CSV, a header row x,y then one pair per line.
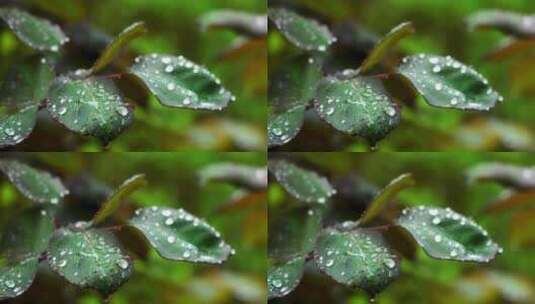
x,y
85,253
358,102
85,101
365,253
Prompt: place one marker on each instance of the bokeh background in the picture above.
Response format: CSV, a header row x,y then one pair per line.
x,y
441,180
440,29
174,28
173,180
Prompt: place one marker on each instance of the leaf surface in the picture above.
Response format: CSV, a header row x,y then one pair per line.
x,y
17,125
16,277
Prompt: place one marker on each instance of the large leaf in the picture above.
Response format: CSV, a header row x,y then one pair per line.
x,y
389,41
356,258
91,106
178,82
357,106
36,32
388,193
114,201
128,34
27,82
292,236
303,184
305,33
89,259
37,185
518,25
445,234
16,277
178,235
16,125
447,83
284,125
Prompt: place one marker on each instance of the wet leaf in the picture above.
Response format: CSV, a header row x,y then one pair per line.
x,y
91,106
17,126
180,236
114,201
128,34
518,25
27,82
357,106
36,32
388,193
305,185
284,125
16,277
37,185
89,259
283,278
447,83
386,44
303,32
356,258
178,82
445,234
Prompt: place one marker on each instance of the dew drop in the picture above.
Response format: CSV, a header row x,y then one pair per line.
x,y
123,111
10,284
329,263
169,69
62,263
277,283
169,221
453,253
438,86
123,264
438,238
390,263
390,111
171,239
170,86
62,111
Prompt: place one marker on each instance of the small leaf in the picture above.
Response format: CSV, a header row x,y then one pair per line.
x,y
445,234
303,184
89,259
36,32
16,277
389,41
447,83
284,125
241,22
27,82
91,106
356,258
254,178
128,34
114,201
283,278
514,176
303,32
518,25
357,106
180,236
37,185
178,82
385,196
17,126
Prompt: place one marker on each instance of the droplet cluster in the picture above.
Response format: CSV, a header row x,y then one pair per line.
x,y
282,127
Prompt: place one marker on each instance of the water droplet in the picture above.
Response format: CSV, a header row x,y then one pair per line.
x,y
169,69
390,263
166,213
438,86
454,101
453,253
10,284
436,69
438,238
9,132
123,264
123,111
169,221
54,48
390,111
329,263
277,283
433,60
166,60
436,221
62,263
62,111
170,86
54,201
171,239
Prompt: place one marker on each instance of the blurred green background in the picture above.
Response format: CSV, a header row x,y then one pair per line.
x,y
441,180
440,29
173,180
174,29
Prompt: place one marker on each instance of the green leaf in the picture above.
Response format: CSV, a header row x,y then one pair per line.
x,y
283,278
303,184
180,236
303,32
511,23
37,185
445,234
447,83
389,41
128,34
36,32
178,82
284,125
388,193
16,277
114,201
357,106
356,258
27,82
249,177
27,234
91,106
241,22
292,236
16,125
89,259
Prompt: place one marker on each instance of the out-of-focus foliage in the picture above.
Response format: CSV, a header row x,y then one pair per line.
x,y
441,180
441,29
174,27
174,181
